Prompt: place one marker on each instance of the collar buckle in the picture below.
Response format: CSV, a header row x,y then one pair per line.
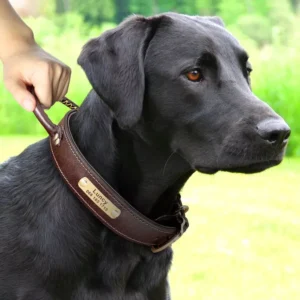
x,y
184,224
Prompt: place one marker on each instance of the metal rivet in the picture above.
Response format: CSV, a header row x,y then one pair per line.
x,y
83,182
185,208
115,213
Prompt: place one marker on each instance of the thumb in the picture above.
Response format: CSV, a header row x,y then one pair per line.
x,y
19,91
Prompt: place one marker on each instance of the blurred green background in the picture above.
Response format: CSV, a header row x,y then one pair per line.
x,y
268,29
244,238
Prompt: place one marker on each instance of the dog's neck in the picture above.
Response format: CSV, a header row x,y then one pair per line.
x,y
147,176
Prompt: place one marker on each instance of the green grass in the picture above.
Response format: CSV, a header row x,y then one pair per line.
x,y
244,237
11,146
243,242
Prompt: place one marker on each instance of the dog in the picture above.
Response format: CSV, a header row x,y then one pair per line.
x,y
171,95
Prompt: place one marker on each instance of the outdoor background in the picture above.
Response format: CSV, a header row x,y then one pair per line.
x,y
244,238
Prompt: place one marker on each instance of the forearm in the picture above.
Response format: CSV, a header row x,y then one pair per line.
x,y
15,35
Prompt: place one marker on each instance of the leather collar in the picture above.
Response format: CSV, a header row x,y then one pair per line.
x,y
99,197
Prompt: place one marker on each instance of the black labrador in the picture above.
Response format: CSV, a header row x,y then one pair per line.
x,y
171,96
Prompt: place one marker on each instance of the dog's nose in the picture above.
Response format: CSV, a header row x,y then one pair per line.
x,y
275,131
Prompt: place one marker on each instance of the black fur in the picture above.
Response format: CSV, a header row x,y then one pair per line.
x,y
146,128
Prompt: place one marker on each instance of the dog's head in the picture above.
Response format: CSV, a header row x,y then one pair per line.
x,y
184,83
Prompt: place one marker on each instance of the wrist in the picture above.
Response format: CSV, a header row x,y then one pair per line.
x,y
19,41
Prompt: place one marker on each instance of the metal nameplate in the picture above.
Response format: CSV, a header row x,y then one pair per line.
x,y
98,198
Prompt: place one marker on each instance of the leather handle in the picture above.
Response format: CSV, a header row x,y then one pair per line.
x,y
43,118
40,114
54,131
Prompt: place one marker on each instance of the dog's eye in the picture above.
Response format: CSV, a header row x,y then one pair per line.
x,y
248,68
194,75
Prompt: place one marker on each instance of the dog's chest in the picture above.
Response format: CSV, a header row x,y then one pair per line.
x,y
123,274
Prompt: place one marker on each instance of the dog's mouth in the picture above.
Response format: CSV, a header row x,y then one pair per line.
x,y
254,167
240,160
254,159
206,170
246,169
247,164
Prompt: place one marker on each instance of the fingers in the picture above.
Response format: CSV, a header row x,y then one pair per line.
x,y
42,83
35,67
61,82
50,82
19,91
65,82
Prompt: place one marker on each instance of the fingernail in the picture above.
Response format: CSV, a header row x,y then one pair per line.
x,y
28,105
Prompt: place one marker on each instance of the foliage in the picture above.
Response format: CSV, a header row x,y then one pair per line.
x,y
95,11
104,12
256,27
230,10
276,80
281,17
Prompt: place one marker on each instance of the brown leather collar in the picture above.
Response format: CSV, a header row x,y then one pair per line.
x,y
99,197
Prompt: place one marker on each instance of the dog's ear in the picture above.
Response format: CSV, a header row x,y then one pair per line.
x,y
216,20
114,64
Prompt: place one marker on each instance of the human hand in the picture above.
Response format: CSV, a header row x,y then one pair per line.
x,y
33,66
